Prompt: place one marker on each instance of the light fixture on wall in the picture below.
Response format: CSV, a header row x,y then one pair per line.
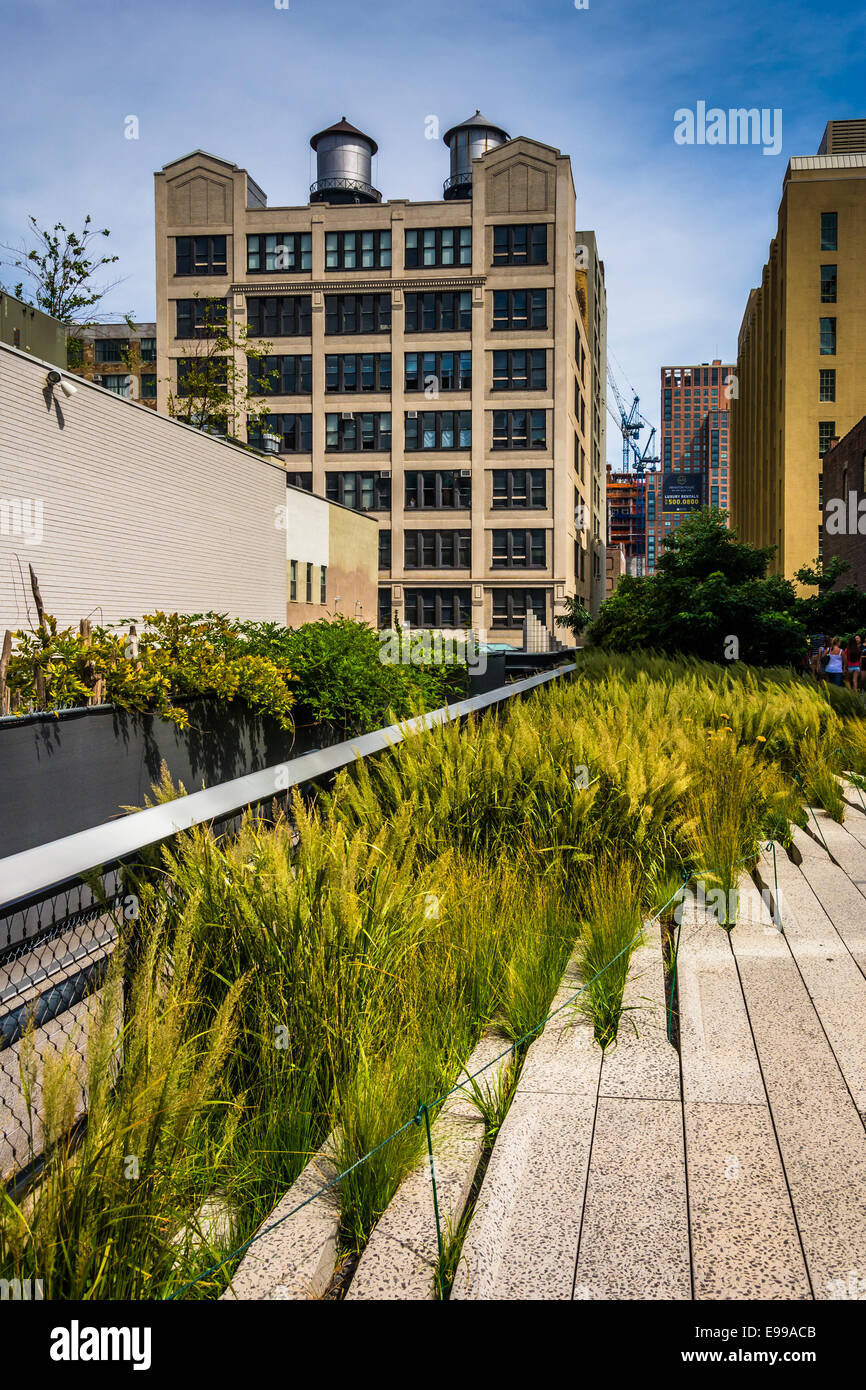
x,y
55,379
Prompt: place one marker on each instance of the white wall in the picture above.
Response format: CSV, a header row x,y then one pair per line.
x,y
122,511
308,528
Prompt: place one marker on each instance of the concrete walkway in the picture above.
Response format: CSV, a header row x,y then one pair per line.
x,y
734,1169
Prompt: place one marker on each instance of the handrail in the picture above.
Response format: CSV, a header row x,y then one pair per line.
x,y
45,867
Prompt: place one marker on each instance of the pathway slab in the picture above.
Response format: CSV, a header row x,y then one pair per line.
x,y
848,853
643,1063
839,897
836,984
296,1259
523,1236
743,1232
820,1134
399,1261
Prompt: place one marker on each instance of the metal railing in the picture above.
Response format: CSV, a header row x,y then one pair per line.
x,y
62,903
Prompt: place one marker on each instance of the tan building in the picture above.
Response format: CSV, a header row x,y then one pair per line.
x,y
31,330
434,365
123,512
801,366
119,356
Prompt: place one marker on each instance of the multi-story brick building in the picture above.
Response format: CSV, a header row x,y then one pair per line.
x,y
695,410
844,504
435,364
119,356
801,363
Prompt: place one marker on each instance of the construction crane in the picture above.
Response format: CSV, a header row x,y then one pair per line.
x,y
630,424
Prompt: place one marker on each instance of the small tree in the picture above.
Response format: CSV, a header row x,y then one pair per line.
x,y
60,268
215,391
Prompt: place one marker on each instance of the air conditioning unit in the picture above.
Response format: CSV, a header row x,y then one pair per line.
x,y
411,415
384,472
346,415
466,472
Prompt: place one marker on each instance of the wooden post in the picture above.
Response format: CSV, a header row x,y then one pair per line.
x,y
40,607
5,697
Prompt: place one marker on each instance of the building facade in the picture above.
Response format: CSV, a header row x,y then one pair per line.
x,y
120,357
844,504
695,414
432,362
591,282
801,364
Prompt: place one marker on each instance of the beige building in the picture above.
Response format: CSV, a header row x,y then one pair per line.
x,y
122,512
31,330
801,363
432,361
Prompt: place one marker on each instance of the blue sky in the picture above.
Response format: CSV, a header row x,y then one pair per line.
x,y
683,230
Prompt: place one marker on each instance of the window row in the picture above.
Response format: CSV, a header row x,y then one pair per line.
x,y
434,247
452,608
434,490
358,432
289,316
430,372
309,586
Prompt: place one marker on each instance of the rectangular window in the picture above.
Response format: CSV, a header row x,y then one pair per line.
x,y
518,244
147,348
293,580
148,386
438,246
828,337
199,318
827,384
309,583
432,372
384,550
523,370
119,384
519,487
280,316
385,613
348,372
829,231
438,607
439,429
510,606
280,376
435,550
368,432
200,255
519,429
357,313
444,312
826,431
519,550
828,284
323,584
268,254
295,432
363,492
438,491
110,349
195,374
357,250
514,310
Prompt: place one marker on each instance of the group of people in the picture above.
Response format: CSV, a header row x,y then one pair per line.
x,y
839,661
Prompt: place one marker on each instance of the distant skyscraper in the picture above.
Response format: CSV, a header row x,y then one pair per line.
x,y
695,409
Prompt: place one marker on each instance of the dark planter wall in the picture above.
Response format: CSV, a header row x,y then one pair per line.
x,y
60,775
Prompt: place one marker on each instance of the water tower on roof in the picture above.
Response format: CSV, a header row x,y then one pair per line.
x,y
343,155
467,141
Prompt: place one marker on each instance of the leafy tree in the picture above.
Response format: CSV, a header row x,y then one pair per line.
x,y
60,267
710,597
576,618
833,611
215,389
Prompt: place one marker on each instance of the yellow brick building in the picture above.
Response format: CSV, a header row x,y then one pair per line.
x,y
801,361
